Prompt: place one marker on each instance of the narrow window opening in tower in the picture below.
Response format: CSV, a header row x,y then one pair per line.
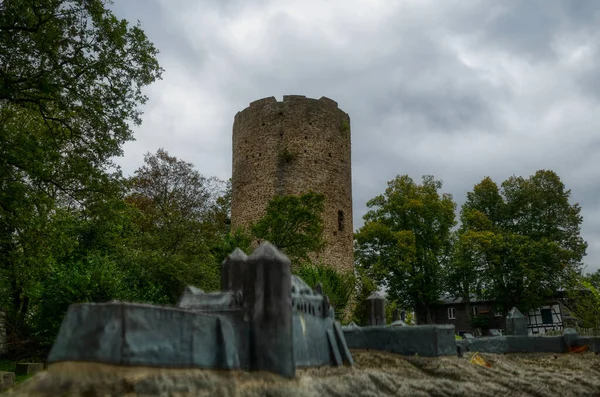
x,y
341,220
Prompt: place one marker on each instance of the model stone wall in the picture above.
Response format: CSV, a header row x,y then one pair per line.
x,y
264,319
292,147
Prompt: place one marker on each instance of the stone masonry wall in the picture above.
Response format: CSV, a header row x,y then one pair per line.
x,y
291,147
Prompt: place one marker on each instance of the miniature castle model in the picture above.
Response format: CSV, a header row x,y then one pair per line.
x,y
264,319
292,147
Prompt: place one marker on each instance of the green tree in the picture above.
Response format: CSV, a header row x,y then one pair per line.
x,y
462,275
521,238
293,224
238,238
584,302
84,256
406,240
338,286
593,279
364,287
178,210
481,218
70,89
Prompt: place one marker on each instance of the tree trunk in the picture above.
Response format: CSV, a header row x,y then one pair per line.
x,y
428,312
468,309
23,311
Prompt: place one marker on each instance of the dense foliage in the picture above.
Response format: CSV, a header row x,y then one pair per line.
x,y
517,243
338,287
584,303
364,287
71,79
179,222
406,241
294,224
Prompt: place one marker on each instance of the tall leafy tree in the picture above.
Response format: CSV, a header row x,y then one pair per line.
x,y
179,222
294,224
525,240
482,216
71,79
406,240
462,275
538,207
71,87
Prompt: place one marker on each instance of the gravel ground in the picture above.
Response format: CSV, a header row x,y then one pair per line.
x,y
374,374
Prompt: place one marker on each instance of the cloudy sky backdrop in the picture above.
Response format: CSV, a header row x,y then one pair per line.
x,y
457,89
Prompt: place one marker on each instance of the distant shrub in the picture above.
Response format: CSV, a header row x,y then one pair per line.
x,y
338,286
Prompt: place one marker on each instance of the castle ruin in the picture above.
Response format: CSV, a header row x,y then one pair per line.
x,y
292,147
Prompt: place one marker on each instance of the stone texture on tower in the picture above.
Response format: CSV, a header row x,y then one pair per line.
x,y
292,147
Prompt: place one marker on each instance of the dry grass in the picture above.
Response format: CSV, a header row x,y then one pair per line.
x,y
375,374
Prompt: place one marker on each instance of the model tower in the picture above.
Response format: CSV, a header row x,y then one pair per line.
x,y
292,147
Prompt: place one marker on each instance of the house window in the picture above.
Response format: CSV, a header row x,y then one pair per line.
x,y
546,316
474,310
451,313
341,220
498,312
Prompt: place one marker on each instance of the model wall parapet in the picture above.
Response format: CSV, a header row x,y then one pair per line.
x,y
424,340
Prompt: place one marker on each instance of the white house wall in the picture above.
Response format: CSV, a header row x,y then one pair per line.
x,y
535,324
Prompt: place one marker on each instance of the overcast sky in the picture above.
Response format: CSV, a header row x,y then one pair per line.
x,y
456,89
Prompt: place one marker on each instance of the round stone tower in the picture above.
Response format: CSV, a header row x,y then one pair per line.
x,y
292,147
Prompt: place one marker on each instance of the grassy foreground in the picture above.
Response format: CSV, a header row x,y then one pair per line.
x,y
375,374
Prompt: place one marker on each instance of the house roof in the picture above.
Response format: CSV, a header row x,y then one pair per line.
x,y
449,300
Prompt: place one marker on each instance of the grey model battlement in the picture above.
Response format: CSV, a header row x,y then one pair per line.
x,y
517,340
424,340
530,344
263,319
195,299
439,340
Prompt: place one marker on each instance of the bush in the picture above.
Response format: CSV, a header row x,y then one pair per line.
x,y
93,279
364,287
336,285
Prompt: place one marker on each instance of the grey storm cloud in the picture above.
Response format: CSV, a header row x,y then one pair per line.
x,y
456,89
